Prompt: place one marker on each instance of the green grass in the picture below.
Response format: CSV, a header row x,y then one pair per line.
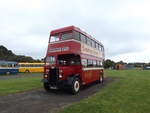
x,y
130,93
21,74
9,86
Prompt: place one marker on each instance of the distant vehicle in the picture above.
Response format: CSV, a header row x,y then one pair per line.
x,y
146,67
31,67
73,59
8,67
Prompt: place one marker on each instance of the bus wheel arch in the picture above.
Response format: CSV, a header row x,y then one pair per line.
x,y
101,78
27,71
7,72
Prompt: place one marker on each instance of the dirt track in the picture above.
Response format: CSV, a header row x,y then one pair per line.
x,y
40,101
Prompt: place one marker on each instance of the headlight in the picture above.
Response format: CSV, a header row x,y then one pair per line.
x,y
45,76
60,76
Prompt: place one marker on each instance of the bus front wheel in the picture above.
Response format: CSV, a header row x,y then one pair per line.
x,y
75,87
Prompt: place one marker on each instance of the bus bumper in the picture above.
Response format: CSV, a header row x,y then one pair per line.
x,y
57,85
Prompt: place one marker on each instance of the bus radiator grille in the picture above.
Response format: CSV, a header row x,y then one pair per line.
x,y
53,76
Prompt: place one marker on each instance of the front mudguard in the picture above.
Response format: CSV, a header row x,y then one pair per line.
x,y
71,78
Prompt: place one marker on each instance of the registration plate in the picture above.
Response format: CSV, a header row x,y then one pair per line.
x,y
53,87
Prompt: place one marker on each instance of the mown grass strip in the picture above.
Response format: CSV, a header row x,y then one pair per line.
x,y
130,94
9,86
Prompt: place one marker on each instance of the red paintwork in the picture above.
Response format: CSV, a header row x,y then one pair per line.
x,y
69,28
74,48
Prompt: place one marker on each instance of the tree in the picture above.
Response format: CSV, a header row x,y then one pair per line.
x,y
8,55
109,63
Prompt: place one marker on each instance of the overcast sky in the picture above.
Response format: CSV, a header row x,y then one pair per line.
x,y
123,26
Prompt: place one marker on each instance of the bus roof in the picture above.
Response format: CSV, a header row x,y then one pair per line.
x,y
7,62
53,32
31,63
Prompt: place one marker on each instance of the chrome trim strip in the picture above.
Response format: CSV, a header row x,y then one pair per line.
x,y
92,68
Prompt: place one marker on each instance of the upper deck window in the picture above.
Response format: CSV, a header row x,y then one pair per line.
x,y
76,35
97,46
89,42
54,38
83,38
93,43
67,35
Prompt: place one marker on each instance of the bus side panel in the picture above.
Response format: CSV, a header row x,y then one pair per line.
x,y
95,75
31,69
89,76
11,71
39,69
22,69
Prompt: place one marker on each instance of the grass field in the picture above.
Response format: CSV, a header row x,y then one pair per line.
x,y
8,86
130,93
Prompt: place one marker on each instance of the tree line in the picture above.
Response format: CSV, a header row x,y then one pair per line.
x,y
8,55
111,64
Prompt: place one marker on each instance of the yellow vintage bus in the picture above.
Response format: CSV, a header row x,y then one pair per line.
x,y
31,67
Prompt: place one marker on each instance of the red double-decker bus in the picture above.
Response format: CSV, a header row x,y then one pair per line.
x,y
73,59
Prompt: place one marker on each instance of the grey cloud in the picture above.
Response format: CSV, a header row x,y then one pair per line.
x,y
101,19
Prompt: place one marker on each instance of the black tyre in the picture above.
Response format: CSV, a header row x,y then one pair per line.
x,y
101,78
7,73
75,87
46,86
27,71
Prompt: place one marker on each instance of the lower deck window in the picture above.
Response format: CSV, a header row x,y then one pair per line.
x,y
50,60
69,59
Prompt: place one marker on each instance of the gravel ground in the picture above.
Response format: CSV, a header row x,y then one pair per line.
x,y
40,101
20,75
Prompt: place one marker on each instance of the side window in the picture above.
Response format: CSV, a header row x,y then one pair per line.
x,y
102,48
84,62
93,43
83,38
94,63
97,63
101,63
89,42
99,47
90,63
96,45
76,35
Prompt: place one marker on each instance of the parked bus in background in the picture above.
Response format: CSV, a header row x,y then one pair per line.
x,y
8,67
73,59
31,67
